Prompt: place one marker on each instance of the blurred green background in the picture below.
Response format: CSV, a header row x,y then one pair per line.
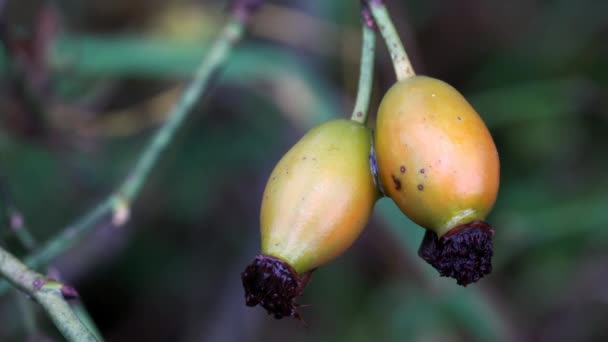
x,y
85,83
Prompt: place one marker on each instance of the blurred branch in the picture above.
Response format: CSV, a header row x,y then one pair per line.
x,y
366,71
118,203
49,293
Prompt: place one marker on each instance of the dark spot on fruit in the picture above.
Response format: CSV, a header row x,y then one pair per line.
x,y
397,182
459,118
304,158
421,170
420,187
402,169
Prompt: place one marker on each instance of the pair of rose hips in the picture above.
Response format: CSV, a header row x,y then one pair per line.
x,y
434,157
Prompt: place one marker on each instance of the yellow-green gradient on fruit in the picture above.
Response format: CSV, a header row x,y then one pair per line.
x,y
436,157
319,196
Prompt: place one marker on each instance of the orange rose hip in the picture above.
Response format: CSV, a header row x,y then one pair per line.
x,y
437,161
317,200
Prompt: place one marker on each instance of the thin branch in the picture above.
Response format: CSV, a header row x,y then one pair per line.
x,y
117,205
401,62
48,293
366,71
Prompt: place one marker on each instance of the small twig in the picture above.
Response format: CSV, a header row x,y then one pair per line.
x,y
366,73
401,62
49,293
118,203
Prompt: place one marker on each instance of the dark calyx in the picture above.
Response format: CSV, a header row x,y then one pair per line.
x,y
464,253
273,284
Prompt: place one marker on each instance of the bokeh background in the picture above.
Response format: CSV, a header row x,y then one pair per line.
x,y
86,83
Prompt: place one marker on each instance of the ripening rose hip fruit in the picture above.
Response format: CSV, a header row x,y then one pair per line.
x,y
317,200
438,162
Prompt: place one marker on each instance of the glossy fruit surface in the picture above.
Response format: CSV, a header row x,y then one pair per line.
x,y
319,196
436,158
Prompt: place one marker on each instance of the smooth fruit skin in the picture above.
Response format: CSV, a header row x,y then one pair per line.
x,y
319,196
436,157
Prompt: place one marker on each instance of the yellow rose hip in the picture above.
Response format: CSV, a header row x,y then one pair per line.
x,y
317,200
437,161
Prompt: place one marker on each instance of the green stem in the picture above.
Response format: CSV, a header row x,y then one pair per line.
x,y
401,62
70,236
117,203
366,75
46,292
218,53
85,317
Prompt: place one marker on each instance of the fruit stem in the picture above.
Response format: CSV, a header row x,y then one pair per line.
x,y
366,71
401,62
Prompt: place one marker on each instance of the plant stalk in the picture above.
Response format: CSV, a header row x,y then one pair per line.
x,y
401,62
366,70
